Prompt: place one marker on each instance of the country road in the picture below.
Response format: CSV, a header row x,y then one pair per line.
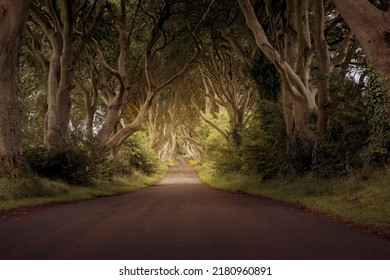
x,y
182,218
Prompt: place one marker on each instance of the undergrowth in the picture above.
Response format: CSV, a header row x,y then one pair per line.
x,y
34,190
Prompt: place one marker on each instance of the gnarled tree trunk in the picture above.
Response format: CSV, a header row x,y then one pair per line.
x,y
292,64
13,17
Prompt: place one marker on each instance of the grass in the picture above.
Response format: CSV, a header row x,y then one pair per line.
x,y
37,191
353,199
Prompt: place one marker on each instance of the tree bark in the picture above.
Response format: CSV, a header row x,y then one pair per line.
x,y
59,87
371,27
13,17
323,100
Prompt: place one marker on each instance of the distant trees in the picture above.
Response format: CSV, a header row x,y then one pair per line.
x,y
225,85
146,35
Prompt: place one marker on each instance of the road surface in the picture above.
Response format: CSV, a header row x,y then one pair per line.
x,y
182,218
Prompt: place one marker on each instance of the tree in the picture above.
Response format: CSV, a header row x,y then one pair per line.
x,y
370,23
226,85
326,65
292,59
68,26
13,17
162,24
164,117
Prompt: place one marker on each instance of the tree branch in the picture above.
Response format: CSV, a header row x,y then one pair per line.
x,y
44,24
178,74
343,50
87,34
201,114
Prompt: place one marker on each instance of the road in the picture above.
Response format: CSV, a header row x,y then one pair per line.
x,y
182,218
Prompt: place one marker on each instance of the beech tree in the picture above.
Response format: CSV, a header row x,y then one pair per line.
x,y
226,85
292,58
13,17
68,26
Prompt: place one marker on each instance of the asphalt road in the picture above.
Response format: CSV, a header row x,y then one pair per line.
x,y
182,218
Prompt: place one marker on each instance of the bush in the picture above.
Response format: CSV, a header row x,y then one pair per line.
x,y
72,164
223,157
296,161
259,151
337,153
134,155
359,136
376,153
329,158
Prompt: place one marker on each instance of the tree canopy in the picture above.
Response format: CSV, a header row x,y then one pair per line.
x,y
271,87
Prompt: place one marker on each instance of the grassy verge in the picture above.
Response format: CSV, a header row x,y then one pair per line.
x,y
366,202
38,191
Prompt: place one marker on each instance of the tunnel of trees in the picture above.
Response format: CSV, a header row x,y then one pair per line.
x,y
92,88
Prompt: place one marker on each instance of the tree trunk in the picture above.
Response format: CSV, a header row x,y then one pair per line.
x,y
323,100
112,119
288,110
13,17
59,87
119,137
371,27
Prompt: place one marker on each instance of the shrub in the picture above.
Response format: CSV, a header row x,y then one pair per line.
x,y
259,151
264,141
338,152
72,164
134,155
359,135
376,153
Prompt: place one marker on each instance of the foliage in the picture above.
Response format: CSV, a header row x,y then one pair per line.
x,y
296,161
377,150
337,153
73,164
260,150
359,134
264,140
267,79
31,84
134,155
222,155
359,130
